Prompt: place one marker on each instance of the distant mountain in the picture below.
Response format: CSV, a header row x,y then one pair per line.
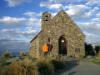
x,y
13,46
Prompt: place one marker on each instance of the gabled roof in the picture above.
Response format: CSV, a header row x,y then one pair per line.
x,y
60,13
36,36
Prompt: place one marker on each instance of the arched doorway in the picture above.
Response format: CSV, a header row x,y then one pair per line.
x,y
62,46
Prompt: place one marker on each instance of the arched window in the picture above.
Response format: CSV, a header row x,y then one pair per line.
x,y
46,18
62,45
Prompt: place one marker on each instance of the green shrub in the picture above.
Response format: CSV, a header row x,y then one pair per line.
x,y
58,64
7,55
45,68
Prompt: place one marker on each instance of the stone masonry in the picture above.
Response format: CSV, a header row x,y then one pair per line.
x,y
54,28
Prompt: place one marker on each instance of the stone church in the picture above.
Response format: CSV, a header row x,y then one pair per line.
x,y
62,33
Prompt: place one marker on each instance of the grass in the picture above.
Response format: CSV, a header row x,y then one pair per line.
x,y
25,67
96,61
41,66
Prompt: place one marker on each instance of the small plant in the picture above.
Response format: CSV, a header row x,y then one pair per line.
x,y
7,55
45,67
22,54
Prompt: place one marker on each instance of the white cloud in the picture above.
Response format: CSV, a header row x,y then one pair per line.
x,y
93,2
7,30
7,20
11,20
92,38
33,21
33,18
26,32
65,1
92,12
55,6
91,26
96,19
32,14
51,6
13,3
17,33
45,4
91,29
98,15
76,9
82,12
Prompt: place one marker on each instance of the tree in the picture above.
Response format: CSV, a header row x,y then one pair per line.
x,y
97,49
89,50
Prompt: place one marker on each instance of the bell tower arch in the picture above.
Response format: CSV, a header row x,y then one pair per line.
x,y
46,17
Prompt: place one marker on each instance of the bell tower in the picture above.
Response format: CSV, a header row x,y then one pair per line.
x,y
46,18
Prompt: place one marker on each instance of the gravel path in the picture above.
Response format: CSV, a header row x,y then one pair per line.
x,y
83,68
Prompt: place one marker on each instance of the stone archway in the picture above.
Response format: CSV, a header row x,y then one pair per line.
x,y
62,45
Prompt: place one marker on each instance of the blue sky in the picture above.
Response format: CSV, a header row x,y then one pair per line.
x,y
20,19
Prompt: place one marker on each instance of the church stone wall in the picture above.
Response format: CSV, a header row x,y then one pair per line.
x,y
54,28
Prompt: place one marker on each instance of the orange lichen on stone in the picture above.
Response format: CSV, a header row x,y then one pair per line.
x,y
45,48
